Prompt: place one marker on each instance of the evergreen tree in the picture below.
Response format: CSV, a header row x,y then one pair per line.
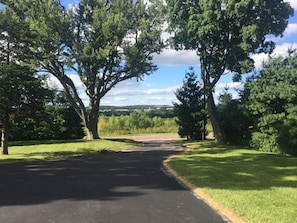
x,y
235,119
21,91
273,97
55,120
190,110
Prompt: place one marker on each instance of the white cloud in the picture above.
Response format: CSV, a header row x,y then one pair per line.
x,y
293,3
129,92
259,60
76,80
120,99
170,57
130,83
54,82
84,97
291,29
280,50
232,88
231,85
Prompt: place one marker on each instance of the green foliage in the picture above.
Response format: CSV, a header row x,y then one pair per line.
x,y
15,38
21,92
225,34
56,119
53,122
235,119
20,89
273,97
151,111
190,110
104,42
136,123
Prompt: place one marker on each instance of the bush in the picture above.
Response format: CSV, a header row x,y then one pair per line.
x,y
287,139
273,97
56,122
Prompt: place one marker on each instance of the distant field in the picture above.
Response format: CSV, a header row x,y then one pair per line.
x,y
258,187
53,149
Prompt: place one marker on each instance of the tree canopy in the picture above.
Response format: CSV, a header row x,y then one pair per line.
x,y
21,92
225,34
104,42
273,98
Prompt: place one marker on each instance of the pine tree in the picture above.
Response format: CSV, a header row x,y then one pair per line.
x,y
190,111
21,92
273,98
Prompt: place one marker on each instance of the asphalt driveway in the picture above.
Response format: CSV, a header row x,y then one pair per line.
x,y
123,187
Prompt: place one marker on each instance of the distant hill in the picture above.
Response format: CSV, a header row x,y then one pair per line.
x,y
135,107
163,111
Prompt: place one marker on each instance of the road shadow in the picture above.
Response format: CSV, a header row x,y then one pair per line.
x,y
89,177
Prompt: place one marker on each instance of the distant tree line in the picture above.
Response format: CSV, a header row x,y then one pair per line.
x,y
162,112
136,123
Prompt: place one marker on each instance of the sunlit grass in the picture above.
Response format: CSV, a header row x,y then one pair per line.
x,y
51,149
257,186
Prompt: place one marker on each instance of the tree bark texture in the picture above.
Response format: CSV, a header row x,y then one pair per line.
x,y
92,131
4,135
92,118
215,120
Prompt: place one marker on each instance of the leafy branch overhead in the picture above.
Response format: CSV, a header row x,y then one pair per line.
x,y
104,42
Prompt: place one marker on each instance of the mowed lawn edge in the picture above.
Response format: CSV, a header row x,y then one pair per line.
x,y
255,186
56,149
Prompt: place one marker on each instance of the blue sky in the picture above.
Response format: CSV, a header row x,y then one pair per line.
x,y
159,87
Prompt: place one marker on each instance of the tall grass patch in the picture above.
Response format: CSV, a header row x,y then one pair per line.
x,y
257,186
136,123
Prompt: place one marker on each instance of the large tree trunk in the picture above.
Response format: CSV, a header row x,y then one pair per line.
x,y
92,130
4,135
92,122
215,120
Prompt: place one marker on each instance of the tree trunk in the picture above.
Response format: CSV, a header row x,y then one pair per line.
x,y
92,130
4,135
92,122
215,120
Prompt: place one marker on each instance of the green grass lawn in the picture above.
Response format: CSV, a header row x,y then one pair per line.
x,y
52,149
258,187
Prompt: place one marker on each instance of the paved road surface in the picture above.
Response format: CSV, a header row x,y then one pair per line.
x,y
124,187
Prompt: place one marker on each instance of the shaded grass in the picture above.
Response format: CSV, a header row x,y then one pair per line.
x,y
53,149
257,186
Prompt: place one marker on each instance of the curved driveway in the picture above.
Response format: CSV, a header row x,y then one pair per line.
x,y
124,187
